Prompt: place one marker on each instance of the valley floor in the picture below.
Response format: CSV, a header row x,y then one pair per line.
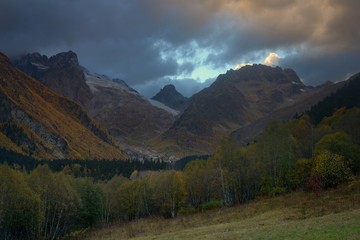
x,y
333,214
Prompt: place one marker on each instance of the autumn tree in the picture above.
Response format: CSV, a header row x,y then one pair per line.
x,y
303,131
110,190
330,168
128,201
170,192
341,144
92,201
59,202
19,207
198,182
237,171
277,148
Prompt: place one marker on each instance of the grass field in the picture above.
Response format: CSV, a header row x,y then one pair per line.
x,y
333,214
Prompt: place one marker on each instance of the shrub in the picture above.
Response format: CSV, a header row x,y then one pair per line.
x,y
330,168
212,204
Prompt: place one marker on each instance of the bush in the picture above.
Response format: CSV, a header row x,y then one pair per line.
x,y
330,168
212,204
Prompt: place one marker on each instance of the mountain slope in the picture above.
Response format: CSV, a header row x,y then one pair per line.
x,y
128,116
235,100
36,121
348,96
169,96
62,73
249,132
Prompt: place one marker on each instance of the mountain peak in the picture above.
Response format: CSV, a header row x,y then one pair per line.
x,y
169,87
169,96
65,58
61,72
260,73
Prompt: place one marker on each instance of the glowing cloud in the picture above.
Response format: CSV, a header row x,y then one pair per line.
x,y
240,65
272,59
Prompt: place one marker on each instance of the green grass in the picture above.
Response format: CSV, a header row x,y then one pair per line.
x,y
334,214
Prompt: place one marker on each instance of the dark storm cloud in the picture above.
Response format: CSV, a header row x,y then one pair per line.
x,y
142,41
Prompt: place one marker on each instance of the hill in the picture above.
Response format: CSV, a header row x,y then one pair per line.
x,y
36,121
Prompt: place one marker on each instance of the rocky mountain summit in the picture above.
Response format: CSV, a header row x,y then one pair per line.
x,y
169,96
62,73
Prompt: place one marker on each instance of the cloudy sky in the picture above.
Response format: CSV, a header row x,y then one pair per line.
x,y
152,42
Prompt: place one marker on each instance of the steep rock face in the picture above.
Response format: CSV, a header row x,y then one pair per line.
x,y
235,100
171,98
61,72
128,116
36,121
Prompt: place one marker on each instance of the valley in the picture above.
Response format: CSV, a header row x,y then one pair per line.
x,y
179,119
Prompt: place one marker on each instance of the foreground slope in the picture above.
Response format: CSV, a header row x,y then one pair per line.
x,y
36,121
333,214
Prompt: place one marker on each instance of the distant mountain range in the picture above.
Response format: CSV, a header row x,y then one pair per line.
x,y
239,103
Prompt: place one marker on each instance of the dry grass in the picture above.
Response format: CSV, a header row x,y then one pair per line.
x,y
333,214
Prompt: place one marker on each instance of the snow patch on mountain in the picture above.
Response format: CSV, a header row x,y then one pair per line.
x,y
94,81
163,106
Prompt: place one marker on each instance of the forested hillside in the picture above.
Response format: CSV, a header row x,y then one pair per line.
x,y
286,157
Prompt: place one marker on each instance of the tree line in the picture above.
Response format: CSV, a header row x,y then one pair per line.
x,y
98,169
287,156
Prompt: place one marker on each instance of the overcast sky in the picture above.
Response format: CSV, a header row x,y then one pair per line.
x,y
149,43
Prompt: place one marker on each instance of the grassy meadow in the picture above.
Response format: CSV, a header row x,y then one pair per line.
x,y
332,214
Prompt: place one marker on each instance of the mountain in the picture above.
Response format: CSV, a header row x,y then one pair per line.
x,y
249,132
36,121
61,72
171,98
128,116
235,100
